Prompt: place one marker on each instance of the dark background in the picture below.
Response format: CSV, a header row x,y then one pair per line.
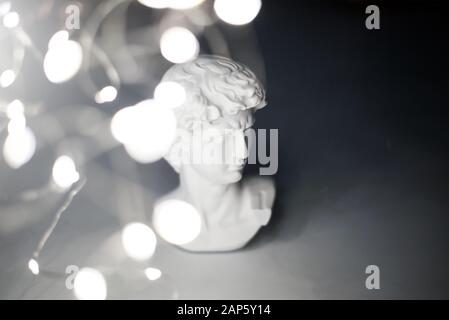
x,y
363,126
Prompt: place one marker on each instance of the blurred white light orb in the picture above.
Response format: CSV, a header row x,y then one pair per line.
x,y
170,94
7,78
147,130
156,4
19,146
184,4
142,154
17,124
64,172
237,12
179,45
177,221
63,58
173,4
139,241
122,124
15,109
58,39
11,20
90,284
5,7
153,273
107,94
33,266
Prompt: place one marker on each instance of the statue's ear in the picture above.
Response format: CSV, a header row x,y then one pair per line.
x,y
263,104
212,113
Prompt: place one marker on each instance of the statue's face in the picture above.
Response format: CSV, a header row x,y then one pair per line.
x,y
225,137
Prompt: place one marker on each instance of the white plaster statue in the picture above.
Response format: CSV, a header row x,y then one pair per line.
x,y
221,99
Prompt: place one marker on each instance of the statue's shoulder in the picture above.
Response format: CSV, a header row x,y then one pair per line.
x,y
262,191
263,187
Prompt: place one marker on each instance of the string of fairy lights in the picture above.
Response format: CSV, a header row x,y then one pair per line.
x,y
146,129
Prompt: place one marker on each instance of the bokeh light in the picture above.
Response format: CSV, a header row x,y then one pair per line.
x,y
179,45
11,20
177,221
184,4
156,4
237,12
139,241
5,7
58,39
64,172
122,124
33,266
17,124
20,144
90,284
63,58
107,94
15,109
173,4
7,78
170,94
153,273
147,130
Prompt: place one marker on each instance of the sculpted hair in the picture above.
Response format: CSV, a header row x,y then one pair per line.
x,y
214,78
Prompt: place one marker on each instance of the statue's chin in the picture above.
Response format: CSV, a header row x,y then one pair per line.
x,y
230,177
236,176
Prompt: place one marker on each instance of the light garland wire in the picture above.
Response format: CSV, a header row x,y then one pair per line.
x,y
76,187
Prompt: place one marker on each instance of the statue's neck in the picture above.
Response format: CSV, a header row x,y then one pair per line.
x,y
207,197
